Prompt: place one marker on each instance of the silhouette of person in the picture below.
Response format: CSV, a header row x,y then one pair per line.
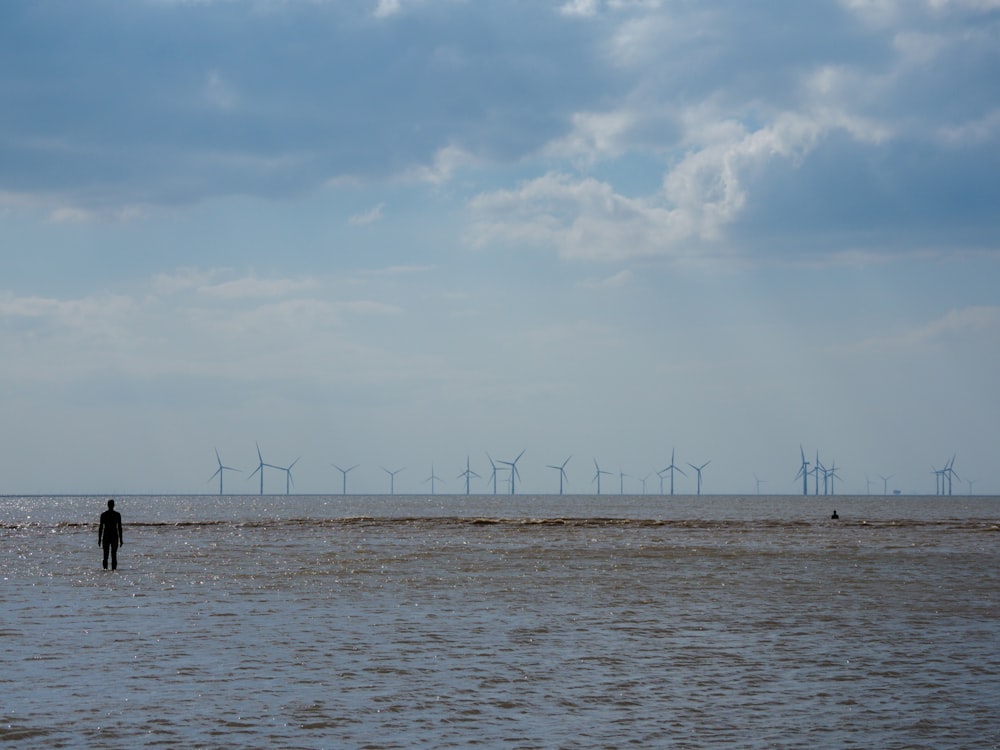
x,y
834,515
109,534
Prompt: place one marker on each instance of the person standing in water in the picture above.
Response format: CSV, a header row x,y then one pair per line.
x,y
109,534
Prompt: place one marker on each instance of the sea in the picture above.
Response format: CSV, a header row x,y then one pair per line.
x,y
523,621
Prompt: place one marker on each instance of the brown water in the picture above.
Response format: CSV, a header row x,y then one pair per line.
x,y
502,622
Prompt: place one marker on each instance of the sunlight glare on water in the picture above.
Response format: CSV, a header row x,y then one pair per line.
x,y
502,621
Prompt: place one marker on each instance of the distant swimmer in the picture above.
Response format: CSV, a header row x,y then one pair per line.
x,y
834,515
109,534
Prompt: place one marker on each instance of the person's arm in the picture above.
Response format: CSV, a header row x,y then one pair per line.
x,y
100,530
121,539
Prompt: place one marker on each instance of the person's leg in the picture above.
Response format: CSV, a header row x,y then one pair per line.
x,y
107,548
114,555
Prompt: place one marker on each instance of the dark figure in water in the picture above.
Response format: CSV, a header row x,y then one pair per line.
x,y
834,515
109,534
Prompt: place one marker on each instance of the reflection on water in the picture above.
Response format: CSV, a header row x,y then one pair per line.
x,y
536,622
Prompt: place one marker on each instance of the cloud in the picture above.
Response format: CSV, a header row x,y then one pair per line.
x,y
702,194
386,8
727,110
979,321
579,7
615,281
254,288
368,217
219,92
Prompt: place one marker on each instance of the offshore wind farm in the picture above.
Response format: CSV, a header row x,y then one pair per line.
x,y
816,479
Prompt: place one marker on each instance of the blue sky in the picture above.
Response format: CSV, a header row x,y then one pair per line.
x,y
397,233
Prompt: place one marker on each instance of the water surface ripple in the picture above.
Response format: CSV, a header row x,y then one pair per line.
x,y
539,623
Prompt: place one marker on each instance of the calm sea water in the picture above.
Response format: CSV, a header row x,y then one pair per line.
x,y
509,622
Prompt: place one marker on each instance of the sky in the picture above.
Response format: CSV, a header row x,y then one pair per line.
x,y
404,234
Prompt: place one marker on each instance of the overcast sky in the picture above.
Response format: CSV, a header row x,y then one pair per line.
x,y
397,233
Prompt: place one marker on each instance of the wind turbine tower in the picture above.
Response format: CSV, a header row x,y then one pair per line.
x,y
758,482
345,472
561,468
493,474
831,474
220,470
804,472
885,483
949,472
672,468
288,475
260,468
597,475
698,469
513,470
392,479
621,481
468,473
432,478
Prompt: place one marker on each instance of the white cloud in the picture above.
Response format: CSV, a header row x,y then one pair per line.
x,y
979,130
368,217
615,281
447,161
181,280
254,288
387,8
980,320
219,92
368,307
705,191
579,8
594,136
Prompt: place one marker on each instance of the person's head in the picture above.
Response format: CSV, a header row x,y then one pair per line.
x,y
111,503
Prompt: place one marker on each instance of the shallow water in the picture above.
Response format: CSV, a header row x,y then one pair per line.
x,y
502,622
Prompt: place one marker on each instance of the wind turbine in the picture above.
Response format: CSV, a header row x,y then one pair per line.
x,y
643,480
672,468
513,469
345,473
220,470
832,474
804,472
949,472
260,468
758,481
885,483
562,472
621,481
597,475
467,474
288,475
698,469
493,474
938,480
431,479
392,479
817,468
